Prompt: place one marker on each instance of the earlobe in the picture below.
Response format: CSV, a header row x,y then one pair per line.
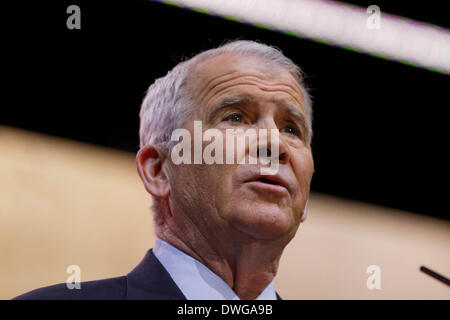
x,y
149,163
305,212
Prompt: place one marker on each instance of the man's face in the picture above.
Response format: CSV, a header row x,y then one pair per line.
x,y
234,92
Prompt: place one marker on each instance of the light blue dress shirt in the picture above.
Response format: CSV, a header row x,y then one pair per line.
x,y
195,280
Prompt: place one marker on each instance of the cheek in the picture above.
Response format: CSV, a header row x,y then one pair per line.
x,y
220,180
303,167
202,183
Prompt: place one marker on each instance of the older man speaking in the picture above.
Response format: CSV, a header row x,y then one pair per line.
x,y
221,226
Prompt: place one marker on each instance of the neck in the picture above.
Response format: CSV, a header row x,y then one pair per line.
x,y
246,264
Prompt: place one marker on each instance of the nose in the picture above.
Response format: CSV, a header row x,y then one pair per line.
x,y
265,151
265,145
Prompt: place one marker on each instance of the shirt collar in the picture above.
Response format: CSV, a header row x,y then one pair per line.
x,y
195,280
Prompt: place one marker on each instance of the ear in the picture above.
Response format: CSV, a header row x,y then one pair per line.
x,y
149,161
305,212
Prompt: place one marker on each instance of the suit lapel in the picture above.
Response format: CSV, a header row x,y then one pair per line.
x,y
150,281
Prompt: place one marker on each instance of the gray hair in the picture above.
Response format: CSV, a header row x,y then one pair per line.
x,y
168,102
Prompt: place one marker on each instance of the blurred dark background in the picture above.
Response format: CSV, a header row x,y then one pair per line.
x,y
380,130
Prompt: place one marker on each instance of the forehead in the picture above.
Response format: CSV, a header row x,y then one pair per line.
x,y
232,73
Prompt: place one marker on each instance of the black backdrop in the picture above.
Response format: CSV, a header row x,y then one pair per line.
x,y
380,127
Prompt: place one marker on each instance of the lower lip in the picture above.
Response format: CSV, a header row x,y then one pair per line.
x,y
267,186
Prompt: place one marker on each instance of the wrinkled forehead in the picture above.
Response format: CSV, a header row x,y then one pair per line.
x,y
213,70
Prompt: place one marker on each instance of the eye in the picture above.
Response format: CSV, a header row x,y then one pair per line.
x,y
235,117
291,129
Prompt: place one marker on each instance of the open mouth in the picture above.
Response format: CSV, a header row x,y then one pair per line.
x,y
266,180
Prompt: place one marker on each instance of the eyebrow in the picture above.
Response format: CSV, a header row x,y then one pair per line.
x,y
297,115
245,100
227,102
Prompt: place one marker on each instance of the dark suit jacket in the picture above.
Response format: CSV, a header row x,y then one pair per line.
x,y
148,281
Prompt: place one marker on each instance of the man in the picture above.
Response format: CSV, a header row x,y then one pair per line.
x,y
221,226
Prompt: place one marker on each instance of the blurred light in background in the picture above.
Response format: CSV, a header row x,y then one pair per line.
x,y
66,203
350,27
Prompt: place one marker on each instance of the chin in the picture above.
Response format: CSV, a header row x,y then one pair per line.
x,y
264,221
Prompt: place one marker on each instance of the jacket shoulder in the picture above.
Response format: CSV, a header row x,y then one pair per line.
x,y
105,289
